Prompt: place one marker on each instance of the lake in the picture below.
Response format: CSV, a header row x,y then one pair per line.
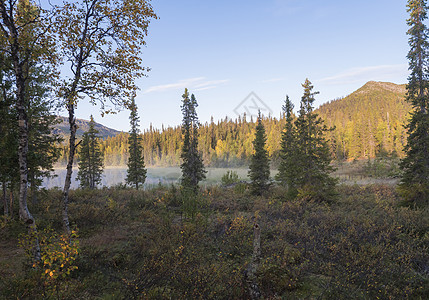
x,y
166,175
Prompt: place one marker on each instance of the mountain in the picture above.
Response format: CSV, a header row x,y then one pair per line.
x,y
62,128
368,122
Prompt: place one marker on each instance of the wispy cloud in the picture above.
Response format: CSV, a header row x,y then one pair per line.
x,y
197,84
383,72
206,85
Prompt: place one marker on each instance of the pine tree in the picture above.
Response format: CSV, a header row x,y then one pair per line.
x,y
312,160
259,168
414,185
91,159
136,173
192,166
287,168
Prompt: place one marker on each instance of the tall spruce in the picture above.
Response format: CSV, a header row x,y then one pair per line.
x,y
91,159
259,168
192,163
9,167
287,169
43,150
136,173
414,185
312,159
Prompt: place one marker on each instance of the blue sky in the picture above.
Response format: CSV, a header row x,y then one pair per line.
x,y
224,50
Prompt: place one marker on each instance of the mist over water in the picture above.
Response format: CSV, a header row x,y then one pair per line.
x,y
116,175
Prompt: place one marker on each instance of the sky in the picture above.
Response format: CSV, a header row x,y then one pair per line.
x,y
237,55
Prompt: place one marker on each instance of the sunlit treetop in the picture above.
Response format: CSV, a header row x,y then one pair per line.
x,y
101,43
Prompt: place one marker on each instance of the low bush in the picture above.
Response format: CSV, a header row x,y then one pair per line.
x,y
142,245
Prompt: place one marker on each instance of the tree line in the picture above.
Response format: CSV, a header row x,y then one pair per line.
x,y
367,123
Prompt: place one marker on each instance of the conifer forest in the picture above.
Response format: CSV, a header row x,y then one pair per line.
x,y
315,201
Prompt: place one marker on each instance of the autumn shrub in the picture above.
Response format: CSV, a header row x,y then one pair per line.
x,y
227,200
364,245
189,260
319,193
360,246
241,188
173,197
58,253
47,210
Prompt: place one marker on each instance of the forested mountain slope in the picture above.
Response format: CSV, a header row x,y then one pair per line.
x,y
368,122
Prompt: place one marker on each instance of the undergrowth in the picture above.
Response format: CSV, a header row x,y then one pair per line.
x,y
141,245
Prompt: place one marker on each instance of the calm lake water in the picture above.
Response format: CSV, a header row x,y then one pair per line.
x,y
115,175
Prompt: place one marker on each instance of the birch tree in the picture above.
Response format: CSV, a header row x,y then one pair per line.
x,y
101,43
26,40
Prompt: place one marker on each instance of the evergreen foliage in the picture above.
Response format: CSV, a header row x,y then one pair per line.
x,y
312,158
43,150
9,168
414,184
368,124
192,163
91,159
230,177
136,173
259,168
287,169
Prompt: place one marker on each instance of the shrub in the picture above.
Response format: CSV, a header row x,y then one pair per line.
x,y
58,254
230,177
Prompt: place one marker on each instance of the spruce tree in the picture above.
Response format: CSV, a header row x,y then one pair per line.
x,y
287,169
259,168
9,167
43,150
136,173
192,163
414,185
90,159
312,159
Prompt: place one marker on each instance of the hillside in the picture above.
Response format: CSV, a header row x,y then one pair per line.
x,y
83,125
368,122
